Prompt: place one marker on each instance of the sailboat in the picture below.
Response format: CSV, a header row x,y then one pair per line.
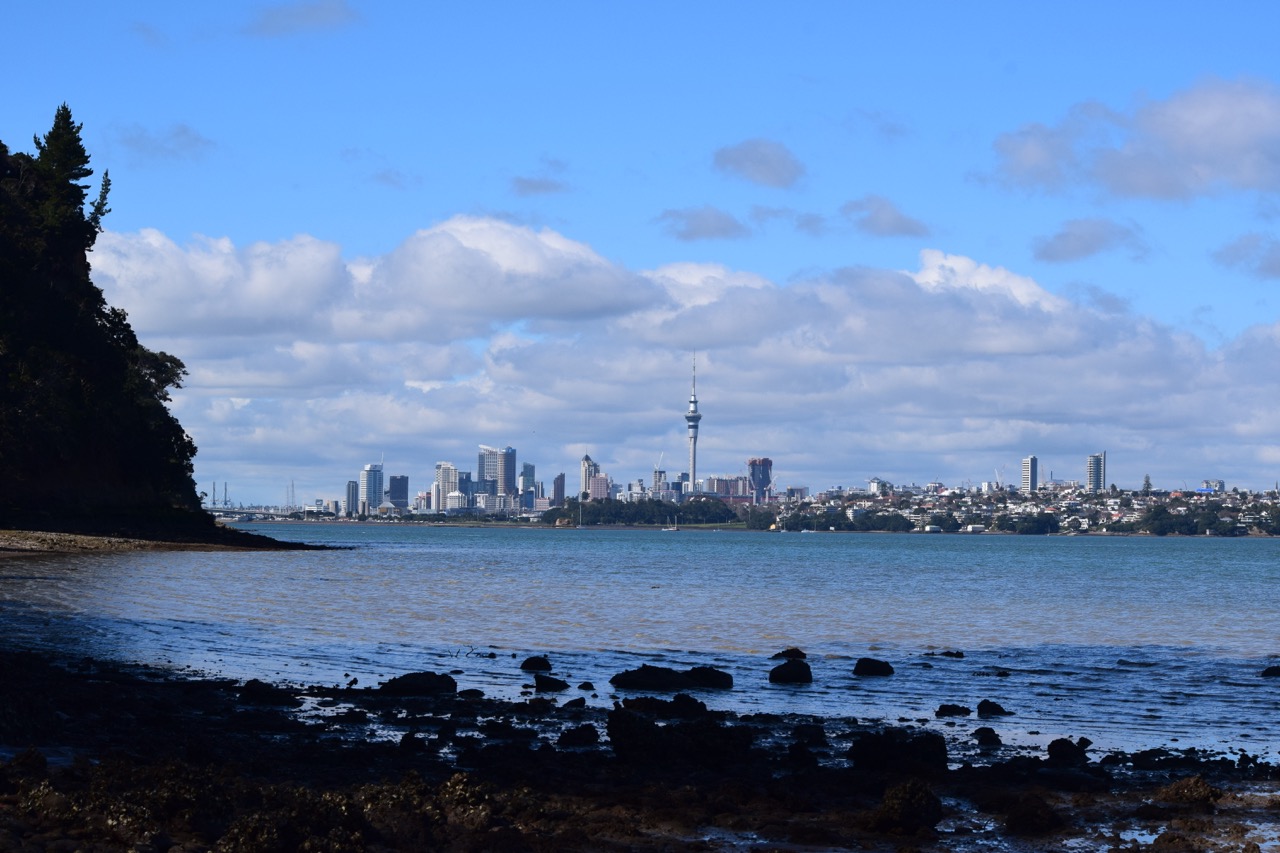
x,y
674,527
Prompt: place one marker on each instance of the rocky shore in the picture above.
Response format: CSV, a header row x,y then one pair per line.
x,y
212,538
100,757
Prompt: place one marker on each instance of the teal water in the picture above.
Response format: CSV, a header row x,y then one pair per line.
x,y
1132,642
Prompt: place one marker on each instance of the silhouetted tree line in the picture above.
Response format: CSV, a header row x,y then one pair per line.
x,y
698,510
84,431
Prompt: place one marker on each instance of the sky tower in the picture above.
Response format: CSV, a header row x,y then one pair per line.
x,y
692,417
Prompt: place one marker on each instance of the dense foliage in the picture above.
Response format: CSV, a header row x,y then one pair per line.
x,y
698,510
84,430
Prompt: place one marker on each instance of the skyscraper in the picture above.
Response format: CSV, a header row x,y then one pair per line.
x,y
498,465
370,488
1095,472
446,483
1030,474
760,475
398,491
589,470
557,490
352,504
692,417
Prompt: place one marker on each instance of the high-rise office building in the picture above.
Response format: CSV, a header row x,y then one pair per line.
x,y
760,474
398,491
446,483
1030,474
527,486
589,470
1095,472
498,465
370,488
557,490
352,504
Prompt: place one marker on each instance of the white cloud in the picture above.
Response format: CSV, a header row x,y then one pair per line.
x,y
477,331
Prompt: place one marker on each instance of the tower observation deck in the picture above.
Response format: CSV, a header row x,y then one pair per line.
x,y
692,417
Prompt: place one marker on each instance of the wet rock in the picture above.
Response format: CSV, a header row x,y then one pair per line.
x,y
537,663
789,654
579,736
810,734
872,667
987,737
548,683
709,676
1031,815
1190,791
1271,672
420,684
586,685
680,706
899,750
1064,751
471,693
987,708
577,702
791,671
665,679
261,693
947,709
703,742
907,809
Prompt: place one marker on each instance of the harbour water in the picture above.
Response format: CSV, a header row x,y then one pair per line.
x,y
1132,642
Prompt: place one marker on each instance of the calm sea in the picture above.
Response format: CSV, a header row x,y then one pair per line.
x,y
1132,642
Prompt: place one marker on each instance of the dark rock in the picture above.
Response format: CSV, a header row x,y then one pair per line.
x,y
986,736
412,742
907,808
947,709
680,706
261,693
789,654
791,671
537,663
872,667
664,679
701,742
578,702
1190,791
709,676
420,684
579,736
899,750
548,683
1064,751
586,685
471,693
1031,815
1271,672
810,734
987,708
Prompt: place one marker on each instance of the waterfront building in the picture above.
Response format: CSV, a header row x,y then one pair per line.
x,y
352,504
398,491
692,417
370,494
1030,474
446,484
589,470
1095,472
528,486
498,465
598,487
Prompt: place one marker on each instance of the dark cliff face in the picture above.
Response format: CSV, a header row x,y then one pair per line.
x,y
84,430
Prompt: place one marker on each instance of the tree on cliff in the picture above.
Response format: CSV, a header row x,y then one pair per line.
x,y
84,430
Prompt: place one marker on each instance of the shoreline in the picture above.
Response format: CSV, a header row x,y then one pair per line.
x,y
22,542
116,756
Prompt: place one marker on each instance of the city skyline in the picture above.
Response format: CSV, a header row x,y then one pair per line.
x,y
455,226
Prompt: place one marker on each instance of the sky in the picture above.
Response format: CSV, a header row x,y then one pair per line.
x,y
909,241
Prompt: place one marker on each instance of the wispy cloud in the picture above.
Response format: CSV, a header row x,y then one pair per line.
x,y
177,142
875,214
760,161
702,223
1257,254
1081,238
287,19
1217,135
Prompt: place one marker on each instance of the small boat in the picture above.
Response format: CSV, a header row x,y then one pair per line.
x,y
674,527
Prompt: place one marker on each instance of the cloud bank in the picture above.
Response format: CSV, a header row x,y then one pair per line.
x,y
305,365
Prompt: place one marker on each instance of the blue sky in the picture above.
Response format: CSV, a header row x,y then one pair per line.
x,y
916,242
